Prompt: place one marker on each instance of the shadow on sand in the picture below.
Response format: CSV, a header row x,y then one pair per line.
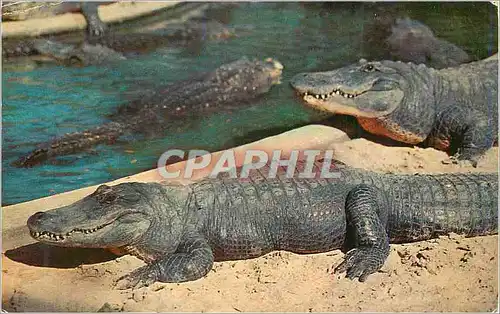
x,y
43,255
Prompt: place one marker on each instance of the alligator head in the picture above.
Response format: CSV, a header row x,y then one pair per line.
x,y
111,217
245,75
392,99
79,55
365,89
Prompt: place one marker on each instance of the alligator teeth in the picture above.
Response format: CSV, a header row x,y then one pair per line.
x,y
58,237
326,96
52,236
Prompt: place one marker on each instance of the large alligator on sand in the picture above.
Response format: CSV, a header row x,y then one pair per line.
x,y
179,230
231,85
453,109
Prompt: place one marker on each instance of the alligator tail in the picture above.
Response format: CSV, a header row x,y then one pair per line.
x,y
71,143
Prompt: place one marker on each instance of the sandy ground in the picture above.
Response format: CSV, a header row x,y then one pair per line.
x,y
451,273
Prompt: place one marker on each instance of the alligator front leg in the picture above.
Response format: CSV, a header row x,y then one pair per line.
x,y
466,133
366,214
192,260
95,26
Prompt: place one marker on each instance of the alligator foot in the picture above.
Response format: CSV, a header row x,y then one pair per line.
x,y
96,28
366,212
462,161
141,277
361,262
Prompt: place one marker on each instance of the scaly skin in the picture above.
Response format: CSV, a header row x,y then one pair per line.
x,y
231,85
453,109
179,231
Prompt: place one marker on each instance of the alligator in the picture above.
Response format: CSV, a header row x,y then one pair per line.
x,y
117,46
231,85
407,40
102,44
180,230
453,109
412,41
84,54
113,46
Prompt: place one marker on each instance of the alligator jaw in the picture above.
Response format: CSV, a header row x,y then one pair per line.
x,y
361,104
56,238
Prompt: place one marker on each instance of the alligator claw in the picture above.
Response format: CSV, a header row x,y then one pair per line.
x,y
360,263
141,277
96,28
464,160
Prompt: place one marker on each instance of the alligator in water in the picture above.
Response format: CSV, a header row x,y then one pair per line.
x,y
452,109
407,40
412,41
389,34
230,86
102,44
180,230
114,47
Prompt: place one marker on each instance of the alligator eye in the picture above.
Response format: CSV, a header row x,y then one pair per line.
x,y
369,68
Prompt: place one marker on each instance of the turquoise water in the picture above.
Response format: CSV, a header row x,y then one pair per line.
x,y
41,102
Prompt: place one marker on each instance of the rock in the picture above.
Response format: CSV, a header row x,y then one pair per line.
x,y
107,307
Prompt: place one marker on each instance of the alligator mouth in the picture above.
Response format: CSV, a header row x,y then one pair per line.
x,y
58,237
339,101
335,92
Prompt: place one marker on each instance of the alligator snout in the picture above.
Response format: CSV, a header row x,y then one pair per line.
x,y
35,219
316,83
